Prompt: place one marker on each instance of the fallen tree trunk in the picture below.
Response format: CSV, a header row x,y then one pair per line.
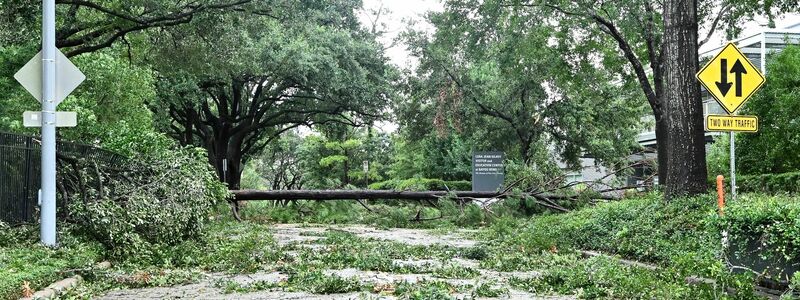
x,y
255,195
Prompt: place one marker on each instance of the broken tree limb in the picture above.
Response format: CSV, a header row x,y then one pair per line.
x,y
256,195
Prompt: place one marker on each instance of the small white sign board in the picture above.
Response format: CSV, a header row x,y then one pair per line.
x,y
63,119
68,77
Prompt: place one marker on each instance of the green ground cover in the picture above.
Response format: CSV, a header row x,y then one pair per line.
x,y
681,237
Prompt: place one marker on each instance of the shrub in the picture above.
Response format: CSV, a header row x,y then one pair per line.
x,y
422,184
161,197
5,234
770,222
769,183
645,228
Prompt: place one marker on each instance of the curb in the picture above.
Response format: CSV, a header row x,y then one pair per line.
x,y
61,286
51,291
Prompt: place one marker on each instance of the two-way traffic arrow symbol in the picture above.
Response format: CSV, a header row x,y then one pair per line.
x,y
723,85
738,69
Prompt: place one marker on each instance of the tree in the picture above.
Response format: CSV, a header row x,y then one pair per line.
x,y
344,157
277,167
431,156
486,73
233,83
683,109
773,148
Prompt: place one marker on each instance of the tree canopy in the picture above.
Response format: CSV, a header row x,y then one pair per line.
x,y
550,83
499,77
251,78
772,149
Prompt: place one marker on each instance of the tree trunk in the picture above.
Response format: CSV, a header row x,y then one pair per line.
x,y
661,149
525,151
234,173
255,195
188,132
686,168
222,148
235,161
346,176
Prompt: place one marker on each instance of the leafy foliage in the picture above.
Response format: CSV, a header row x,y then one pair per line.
x,y
769,222
667,230
430,156
485,79
111,102
23,258
604,278
350,158
422,184
718,157
769,183
772,149
160,197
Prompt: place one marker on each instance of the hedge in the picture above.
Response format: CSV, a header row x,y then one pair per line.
x,y
422,184
769,183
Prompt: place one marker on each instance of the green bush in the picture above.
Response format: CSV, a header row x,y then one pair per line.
x,y
770,183
645,228
6,236
771,221
160,197
682,235
422,184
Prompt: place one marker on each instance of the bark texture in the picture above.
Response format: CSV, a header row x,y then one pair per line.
x,y
250,195
686,168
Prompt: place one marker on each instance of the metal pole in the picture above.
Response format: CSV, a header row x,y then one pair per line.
x,y
733,166
48,209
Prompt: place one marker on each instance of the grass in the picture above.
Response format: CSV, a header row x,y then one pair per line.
x,y
490,290
23,259
426,290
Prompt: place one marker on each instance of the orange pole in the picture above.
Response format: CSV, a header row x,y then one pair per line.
x,y
720,195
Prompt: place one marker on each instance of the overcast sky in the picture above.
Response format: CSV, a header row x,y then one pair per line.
x,y
750,28
400,12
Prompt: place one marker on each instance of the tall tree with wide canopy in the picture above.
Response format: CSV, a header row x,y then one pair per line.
x,y
496,75
233,82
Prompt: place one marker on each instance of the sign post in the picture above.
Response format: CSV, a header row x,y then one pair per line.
x,y
48,210
49,77
730,64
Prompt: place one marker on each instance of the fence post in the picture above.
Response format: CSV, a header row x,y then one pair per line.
x,y
27,189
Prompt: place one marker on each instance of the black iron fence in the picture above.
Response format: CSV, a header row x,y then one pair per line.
x,y
20,172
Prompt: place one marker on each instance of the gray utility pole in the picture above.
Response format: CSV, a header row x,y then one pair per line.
x,y
50,77
48,208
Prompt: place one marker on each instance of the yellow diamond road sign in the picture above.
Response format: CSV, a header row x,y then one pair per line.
x,y
730,78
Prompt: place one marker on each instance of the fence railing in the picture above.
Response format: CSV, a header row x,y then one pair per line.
x,y
20,172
